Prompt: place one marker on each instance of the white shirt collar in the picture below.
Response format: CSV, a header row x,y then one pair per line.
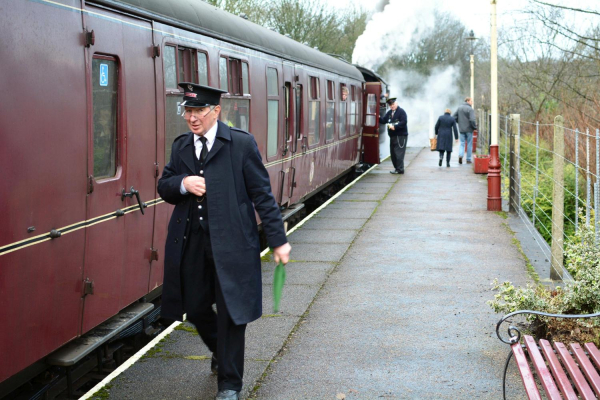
x,y
210,137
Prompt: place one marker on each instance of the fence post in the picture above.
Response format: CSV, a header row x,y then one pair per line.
x,y
558,199
597,186
514,173
577,178
537,169
588,187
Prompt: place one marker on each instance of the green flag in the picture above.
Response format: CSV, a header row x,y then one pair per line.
x,y
278,281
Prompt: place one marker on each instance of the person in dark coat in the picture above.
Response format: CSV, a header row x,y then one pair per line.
x,y
396,121
444,128
216,179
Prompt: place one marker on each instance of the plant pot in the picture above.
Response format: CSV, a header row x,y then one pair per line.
x,y
481,164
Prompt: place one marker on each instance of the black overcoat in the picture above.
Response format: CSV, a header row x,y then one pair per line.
x,y
444,127
236,179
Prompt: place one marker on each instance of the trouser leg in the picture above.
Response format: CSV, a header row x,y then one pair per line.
x,y
461,147
401,149
441,154
198,288
469,145
448,155
393,145
230,348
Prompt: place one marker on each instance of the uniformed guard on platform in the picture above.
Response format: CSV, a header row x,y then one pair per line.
x,y
216,178
396,121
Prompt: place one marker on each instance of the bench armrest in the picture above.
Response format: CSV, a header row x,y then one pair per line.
x,y
515,335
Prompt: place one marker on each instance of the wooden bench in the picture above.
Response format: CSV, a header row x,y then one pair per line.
x,y
560,371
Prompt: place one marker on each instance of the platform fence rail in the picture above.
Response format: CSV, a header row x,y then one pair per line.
x,y
549,177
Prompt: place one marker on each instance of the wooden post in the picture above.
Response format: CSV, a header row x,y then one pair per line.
x,y
514,175
558,199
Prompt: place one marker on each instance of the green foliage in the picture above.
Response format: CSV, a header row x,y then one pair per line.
x,y
582,296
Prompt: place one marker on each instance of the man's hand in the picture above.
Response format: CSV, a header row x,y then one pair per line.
x,y
282,253
195,185
392,128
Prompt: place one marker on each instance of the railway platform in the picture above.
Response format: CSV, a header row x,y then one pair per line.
x,y
385,298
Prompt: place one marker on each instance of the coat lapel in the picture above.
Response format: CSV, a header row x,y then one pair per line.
x,y
223,133
188,152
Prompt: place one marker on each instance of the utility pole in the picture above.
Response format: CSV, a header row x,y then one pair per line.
x,y
471,38
494,200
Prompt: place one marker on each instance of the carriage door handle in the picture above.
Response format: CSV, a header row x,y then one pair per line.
x,y
136,193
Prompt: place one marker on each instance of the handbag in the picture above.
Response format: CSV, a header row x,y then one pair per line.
x,y
433,144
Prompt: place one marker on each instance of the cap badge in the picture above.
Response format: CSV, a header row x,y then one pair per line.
x,y
191,88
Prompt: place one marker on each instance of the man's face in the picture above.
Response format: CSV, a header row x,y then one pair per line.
x,y
393,106
201,119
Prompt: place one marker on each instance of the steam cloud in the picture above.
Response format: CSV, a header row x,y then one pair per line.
x,y
390,33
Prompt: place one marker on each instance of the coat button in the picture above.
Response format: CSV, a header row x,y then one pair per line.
x,y
176,240
187,219
200,218
201,171
185,237
178,220
199,207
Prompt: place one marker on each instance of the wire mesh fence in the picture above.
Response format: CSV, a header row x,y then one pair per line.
x,y
549,175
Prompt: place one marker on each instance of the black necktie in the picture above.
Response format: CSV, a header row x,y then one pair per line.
x,y
204,151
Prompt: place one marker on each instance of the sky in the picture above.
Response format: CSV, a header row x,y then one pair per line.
x,y
475,14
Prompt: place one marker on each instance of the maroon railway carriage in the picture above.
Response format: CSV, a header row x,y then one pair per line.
x,y
90,107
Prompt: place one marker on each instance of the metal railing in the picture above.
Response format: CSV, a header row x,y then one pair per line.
x,y
549,177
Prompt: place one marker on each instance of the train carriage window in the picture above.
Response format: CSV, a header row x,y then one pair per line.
x,y
223,73
235,112
245,78
299,111
272,111
202,69
371,111
330,112
105,96
181,64
170,67
314,108
353,110
343,109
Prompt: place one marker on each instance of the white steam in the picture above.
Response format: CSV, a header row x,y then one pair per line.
x,y
392,32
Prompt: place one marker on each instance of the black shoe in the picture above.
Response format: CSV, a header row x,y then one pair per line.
x,y
214,365
460,160
394,172
448,165
227,395
401,172
469,162
440,163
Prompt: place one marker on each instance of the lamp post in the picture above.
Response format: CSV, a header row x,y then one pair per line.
x,y
471,38
494,200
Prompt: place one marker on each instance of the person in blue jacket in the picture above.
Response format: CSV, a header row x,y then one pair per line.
x,y
216,179
396,121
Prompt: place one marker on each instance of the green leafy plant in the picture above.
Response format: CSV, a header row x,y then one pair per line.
x,y
581,296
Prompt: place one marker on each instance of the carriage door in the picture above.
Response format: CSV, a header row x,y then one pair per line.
x,y
121,156
288,172
371,123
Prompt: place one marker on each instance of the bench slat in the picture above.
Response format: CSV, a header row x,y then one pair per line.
x,y
561,378
580,383
541,369
526,375
593,352
586,365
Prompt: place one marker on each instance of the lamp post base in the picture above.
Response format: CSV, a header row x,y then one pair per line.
x,y
494,200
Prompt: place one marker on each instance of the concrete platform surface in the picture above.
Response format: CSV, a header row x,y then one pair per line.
x,y
385,298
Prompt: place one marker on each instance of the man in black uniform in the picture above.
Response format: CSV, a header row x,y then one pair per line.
x,y
396,121
216,179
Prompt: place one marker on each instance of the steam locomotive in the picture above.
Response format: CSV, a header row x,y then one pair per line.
x,y
90,107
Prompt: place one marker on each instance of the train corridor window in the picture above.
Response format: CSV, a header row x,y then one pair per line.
x,y
245,87
105,107
314,108
330,112
181,64
343,109
298,111
353,110
272,111
202,69
235,112
223,73
371,111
